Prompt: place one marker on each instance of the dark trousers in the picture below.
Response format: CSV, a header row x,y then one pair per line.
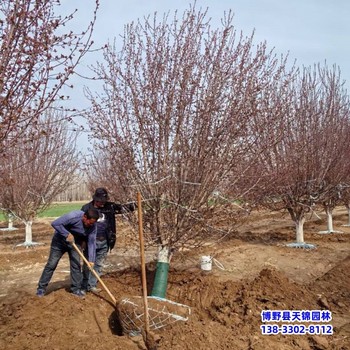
x,y
89,279
59,246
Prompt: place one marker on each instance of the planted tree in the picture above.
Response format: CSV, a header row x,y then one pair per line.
x,y
9,218
37,171
175,119
38,54
308,164
336,109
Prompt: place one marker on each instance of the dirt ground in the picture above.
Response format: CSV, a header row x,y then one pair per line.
x,y
258,273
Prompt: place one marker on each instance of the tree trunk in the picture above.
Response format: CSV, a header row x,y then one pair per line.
x,y
299,225
299,220
163,254
330,228
161,277
329,220
29,234
10,224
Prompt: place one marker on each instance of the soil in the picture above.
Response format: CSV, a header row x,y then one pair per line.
x,y
254,271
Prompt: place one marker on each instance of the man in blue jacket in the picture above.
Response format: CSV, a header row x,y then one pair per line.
x,y
77,226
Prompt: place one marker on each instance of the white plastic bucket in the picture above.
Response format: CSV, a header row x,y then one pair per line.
x,y
206,263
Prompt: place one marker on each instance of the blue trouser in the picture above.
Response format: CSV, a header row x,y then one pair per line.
x,y
59,246
89,279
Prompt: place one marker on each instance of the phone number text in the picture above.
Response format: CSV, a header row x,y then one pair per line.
x,y
299,329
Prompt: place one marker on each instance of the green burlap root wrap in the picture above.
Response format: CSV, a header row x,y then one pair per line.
x,y
160,280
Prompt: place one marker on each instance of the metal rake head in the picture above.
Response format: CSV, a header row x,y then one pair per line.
x,y
161,313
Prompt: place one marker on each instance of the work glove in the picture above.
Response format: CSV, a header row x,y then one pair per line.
x,y
118,208
70,238
124,208
131,206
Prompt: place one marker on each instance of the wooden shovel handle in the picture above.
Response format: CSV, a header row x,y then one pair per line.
x,y
95,273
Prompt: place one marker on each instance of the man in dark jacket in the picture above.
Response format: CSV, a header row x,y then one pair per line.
x,y
106,233
79,227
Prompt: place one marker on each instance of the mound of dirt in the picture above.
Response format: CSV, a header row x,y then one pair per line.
x,y
225,315
335,286
228,314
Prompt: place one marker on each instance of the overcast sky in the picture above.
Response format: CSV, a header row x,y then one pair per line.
x,y
311,31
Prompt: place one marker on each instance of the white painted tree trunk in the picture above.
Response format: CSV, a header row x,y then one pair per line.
x,y
29,234
299,225
330,228
163,255
329,220
299,221
10,224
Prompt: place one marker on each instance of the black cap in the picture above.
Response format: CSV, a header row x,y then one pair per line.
x,y
100,195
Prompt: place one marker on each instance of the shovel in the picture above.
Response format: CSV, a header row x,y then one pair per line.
x,y
95,273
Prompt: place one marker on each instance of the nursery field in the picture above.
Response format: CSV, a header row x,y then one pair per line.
x,y
56,209
258,272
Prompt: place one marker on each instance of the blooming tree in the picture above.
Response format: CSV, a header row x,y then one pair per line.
x,y
37,171
182,109
310,162
38,54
